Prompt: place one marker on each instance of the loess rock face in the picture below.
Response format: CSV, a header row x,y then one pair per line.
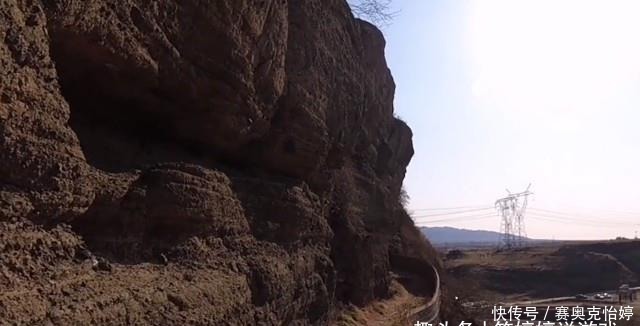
x,y
196,162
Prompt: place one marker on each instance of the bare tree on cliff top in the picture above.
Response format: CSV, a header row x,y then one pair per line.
x,y
377,12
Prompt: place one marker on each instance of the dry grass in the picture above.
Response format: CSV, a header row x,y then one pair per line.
x,y
390,312
542,271
529,257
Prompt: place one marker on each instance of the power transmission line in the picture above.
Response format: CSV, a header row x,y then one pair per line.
x,y
454,218
608,212
455,213
512,209
469,218
547,219
449,208
581,218
576,216
581,221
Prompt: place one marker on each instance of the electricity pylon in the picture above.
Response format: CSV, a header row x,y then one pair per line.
x,y
512,209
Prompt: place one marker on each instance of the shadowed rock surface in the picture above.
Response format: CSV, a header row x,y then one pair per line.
x,y
227,162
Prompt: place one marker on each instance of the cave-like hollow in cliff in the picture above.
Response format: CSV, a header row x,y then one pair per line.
x,y
122,122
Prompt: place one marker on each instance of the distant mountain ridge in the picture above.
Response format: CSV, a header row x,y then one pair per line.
x,y
443,235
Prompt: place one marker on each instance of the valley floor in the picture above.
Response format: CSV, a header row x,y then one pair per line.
x,y
548,275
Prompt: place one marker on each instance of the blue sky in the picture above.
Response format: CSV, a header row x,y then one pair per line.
x,y
503,93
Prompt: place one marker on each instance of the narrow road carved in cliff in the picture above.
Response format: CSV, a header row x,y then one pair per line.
x,y
414,299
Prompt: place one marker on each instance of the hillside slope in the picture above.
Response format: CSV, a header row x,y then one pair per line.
x,y
546,270
193,162
450,235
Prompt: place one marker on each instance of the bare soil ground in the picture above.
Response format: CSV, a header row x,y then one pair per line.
x,y
544,271
482,278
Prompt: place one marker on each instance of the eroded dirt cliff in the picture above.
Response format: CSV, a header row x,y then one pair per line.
x,y
196,162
